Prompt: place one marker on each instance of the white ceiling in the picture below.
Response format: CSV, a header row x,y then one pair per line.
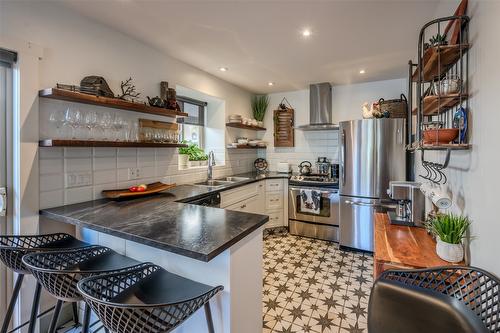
x,y
261,41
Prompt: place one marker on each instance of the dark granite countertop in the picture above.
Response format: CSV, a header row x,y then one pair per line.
x,y
166,221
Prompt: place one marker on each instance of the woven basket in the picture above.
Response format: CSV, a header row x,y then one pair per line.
x,y
394,108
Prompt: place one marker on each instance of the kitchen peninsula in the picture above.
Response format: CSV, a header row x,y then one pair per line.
x,y
209,245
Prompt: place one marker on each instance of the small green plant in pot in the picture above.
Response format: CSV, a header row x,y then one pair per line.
x,y
184,154
259,107
438,40
449,230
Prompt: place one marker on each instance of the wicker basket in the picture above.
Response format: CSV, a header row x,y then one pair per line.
x,y
394,108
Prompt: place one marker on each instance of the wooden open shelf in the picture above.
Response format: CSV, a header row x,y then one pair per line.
x,y
437,104
246,147
438,59
250,127
73,96
87,143
451,146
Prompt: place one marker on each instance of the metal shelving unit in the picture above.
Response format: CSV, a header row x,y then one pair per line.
x,y
436,63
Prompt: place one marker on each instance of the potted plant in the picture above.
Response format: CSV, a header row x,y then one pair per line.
x,y
204,160
438,40
259,107
184,154
449,230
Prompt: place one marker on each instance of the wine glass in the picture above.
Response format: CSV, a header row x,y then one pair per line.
x,y
90,121
73,118
56,118
105,123
118,125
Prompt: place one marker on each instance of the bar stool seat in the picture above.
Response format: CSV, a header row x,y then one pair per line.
x,y
59,272
13,248
146,299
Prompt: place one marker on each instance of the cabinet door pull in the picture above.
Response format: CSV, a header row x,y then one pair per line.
x,y
243,206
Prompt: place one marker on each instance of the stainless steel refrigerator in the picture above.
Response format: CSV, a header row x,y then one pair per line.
x,y
372,153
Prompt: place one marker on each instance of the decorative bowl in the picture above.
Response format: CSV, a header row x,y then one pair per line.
x,y
440,135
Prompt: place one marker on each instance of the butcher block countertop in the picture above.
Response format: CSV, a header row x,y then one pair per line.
x,y
400,247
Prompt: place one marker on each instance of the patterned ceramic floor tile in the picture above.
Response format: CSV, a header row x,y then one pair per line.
x,y
313,286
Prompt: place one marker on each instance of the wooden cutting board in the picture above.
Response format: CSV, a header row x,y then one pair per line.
x,y
126,193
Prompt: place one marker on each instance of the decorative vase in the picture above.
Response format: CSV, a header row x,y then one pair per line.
x,y
449,252
260,124
183,159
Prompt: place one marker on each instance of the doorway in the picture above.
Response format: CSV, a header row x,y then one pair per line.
x,y
7,60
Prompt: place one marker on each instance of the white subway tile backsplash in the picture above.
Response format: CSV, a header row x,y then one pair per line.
x,y
78,164
51,182
78,194
127,162
49,166
104,163
55,152
51,199
109,169
71,152
105,176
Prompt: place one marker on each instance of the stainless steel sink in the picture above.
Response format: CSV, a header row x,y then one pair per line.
x,y
233,179
213,183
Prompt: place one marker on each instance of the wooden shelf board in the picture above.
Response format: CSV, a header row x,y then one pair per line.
x,y
246,147
438,59
73,96
87,143
451,146
434,104
250,127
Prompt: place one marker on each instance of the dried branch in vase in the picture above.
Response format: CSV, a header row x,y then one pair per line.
x,y
128,90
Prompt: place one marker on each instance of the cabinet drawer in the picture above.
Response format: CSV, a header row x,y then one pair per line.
x,y
275,219
238,194
274,185
249,205
274,200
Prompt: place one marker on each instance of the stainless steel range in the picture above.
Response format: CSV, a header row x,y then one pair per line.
x,y
313,206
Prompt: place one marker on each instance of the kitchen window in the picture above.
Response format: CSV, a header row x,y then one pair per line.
x,y
192,126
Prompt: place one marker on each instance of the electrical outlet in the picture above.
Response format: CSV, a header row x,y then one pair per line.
x,y
78,179
134,173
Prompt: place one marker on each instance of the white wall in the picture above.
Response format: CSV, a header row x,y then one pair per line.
x,y
346,105
74,47
473,176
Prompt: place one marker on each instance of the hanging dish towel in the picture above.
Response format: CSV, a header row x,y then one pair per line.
x,y
310,201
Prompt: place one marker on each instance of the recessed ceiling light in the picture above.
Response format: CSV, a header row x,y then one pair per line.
x,y
270,83
223,69
306,32
362,71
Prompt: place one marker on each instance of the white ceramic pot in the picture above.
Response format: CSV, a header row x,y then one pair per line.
x,y
183,159
449,252
193,164
204,163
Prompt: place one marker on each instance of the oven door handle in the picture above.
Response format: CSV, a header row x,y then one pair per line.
x,y
313,189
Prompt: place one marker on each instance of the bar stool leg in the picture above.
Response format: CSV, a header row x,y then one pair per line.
x,y
86,319
55,317
74,305
208,315
34,308
10,309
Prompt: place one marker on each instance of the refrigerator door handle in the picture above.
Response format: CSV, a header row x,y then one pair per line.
x,y
366,204
349,202
342,157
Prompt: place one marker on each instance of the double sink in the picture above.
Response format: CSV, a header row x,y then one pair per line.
x,y
222,181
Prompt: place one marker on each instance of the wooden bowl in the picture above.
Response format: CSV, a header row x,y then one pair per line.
x,y
440,135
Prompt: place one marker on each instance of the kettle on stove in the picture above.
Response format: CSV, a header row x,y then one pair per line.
x,y
305,168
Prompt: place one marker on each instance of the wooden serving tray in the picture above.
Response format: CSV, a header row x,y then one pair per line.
x,y
125,193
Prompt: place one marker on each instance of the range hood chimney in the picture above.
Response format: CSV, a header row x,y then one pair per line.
x,y
320,108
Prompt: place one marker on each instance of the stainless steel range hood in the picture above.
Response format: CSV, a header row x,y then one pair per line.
x,y
320,108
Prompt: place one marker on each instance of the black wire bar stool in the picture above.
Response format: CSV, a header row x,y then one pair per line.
x,y
59,273
13,248
146,299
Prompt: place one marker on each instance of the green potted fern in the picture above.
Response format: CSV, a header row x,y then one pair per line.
x,y
449,230
259,107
